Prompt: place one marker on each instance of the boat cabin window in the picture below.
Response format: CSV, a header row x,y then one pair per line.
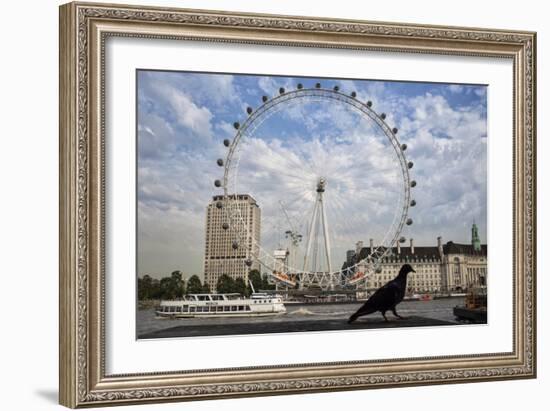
x,y
192,309
226,308
241,307
219,308
247,308
233,308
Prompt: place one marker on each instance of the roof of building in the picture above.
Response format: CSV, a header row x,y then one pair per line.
x,y
234,197
468,249
422,252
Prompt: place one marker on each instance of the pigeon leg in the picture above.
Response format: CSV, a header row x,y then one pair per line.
x,y
384,315
397,315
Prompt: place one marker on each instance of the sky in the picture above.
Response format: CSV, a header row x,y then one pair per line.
x,y
183,118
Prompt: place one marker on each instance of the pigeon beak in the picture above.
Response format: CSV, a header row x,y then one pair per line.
x,y
413,270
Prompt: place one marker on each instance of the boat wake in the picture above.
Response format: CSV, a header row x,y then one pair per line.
x,y
305,311
301,311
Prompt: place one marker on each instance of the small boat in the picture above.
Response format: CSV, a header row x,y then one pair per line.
x,y
221,305
426,297
475,308
412,297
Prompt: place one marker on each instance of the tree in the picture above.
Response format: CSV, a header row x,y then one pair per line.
x,y
240,287
206,288
177,284
145,288
255,278
166,291
265,283
225,284
194,285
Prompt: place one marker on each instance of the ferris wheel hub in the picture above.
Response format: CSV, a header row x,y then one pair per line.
x,y
321,184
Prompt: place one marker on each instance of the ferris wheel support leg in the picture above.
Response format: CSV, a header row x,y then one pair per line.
x,y
310,235
325,234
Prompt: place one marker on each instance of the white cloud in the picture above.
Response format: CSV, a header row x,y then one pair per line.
x,y
187,112
456,88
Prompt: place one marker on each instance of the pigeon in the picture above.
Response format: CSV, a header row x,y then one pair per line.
x,y
386,297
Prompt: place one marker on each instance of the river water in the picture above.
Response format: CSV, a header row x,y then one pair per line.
x,y
440,309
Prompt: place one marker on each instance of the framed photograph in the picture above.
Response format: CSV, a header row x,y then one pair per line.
x,y
259,204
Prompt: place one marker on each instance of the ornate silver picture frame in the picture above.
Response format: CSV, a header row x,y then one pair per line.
x,y
85,28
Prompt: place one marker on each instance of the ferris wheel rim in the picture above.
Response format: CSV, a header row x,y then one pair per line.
x,y
268,104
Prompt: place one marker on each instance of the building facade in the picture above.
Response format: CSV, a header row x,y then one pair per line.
x,y
446,268
231,242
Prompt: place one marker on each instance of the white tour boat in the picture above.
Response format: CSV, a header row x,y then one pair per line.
x,y
222,305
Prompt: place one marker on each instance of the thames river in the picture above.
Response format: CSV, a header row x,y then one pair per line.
x,y
299,317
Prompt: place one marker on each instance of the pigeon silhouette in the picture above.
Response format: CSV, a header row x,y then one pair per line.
x,y
387,297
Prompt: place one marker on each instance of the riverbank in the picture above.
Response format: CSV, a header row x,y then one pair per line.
x,y
291,326
320,317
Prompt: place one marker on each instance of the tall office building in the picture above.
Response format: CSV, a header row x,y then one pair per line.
x,y
220,254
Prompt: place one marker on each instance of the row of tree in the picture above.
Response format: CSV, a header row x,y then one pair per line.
x,y
174,286
169,288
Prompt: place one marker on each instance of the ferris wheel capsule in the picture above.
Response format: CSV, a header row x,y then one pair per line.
x,y
300,86
235,245
409,221
353,94
402,239
410,164
336,88
225,226
383,116
236,125
369,103
317,85
219,204
281,90
264,98
413,183
249,110
226,142
248,262
219,162
403,147
413,203
394,130
218,183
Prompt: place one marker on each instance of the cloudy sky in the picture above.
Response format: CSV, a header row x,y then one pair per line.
x,y
183,119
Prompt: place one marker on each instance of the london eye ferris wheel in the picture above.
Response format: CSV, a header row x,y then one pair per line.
x,y
343,178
